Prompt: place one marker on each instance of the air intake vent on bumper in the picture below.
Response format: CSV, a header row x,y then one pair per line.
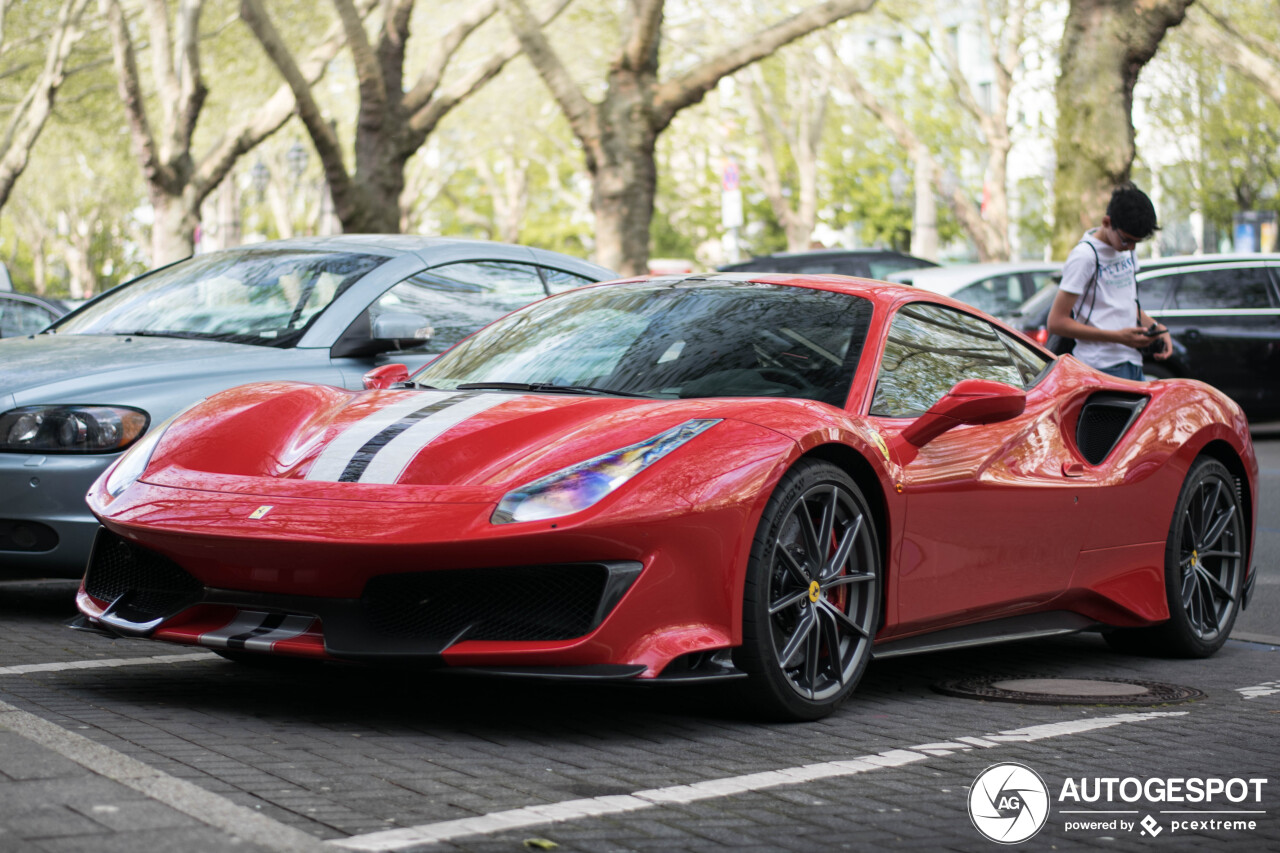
x,y
158,586
1106,417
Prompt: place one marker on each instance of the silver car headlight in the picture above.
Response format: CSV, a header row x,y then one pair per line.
x,y
70,429
573,489
129,467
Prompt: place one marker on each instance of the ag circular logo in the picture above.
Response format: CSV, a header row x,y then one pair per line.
x,y
1008,803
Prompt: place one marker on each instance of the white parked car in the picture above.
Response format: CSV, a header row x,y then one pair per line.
x,y
996,288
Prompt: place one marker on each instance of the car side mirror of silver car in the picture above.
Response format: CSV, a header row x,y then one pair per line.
x,y
401,329
970,401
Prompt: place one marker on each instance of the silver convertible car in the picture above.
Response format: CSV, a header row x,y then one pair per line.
x,y
317,309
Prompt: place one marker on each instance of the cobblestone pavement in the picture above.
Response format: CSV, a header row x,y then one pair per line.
x,y
196,753
193,753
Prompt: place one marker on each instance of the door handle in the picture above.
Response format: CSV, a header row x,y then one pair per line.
x,y
1072,469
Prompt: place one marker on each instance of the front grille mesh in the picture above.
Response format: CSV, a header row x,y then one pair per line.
x,y
548,602
158,585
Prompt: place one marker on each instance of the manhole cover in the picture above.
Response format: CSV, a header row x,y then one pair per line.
x,y
1068,691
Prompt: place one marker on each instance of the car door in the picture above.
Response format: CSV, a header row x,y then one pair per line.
x,y
989,527
457,299
1227,317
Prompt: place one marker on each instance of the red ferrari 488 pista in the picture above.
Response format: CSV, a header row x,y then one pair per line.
x,y
760,477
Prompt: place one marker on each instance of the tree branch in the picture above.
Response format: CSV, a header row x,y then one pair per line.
x,y
580,112
1221,39
29,119
373,90
430,78
428,115
323,136
126,63
644,30
266,120
689,88
191,87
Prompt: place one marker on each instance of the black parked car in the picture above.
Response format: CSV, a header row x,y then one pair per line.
x,y
864,263
1224,313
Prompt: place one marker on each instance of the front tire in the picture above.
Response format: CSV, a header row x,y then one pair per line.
x,y
811,602
1204,565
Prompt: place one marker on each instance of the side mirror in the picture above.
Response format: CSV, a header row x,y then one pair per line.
x,y
385,376
971,401
399,328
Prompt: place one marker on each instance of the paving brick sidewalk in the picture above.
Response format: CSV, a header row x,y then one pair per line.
x,y
333,752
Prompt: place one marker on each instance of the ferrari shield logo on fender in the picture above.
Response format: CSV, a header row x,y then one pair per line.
x,y
880,443
260,512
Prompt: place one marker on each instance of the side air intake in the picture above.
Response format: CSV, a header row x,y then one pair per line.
x,y
1106,417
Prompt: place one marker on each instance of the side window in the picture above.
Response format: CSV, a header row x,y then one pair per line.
x,y
1153,292
1029,362
931,348
1043,277
457,299
882,267
19,318
1222,289
558,281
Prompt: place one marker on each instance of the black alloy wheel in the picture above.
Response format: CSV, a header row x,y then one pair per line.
x,y
811,602
1205,563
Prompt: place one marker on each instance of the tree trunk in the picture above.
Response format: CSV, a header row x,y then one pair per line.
x,y
173,233
924,223
1104,47
624,174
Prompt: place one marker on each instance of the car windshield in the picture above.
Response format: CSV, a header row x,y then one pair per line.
x,y
684,339
266,297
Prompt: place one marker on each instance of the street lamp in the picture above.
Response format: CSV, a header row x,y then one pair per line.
x,y
297,158
259,174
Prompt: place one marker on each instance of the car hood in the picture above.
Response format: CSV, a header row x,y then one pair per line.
x,y
323,442
60,365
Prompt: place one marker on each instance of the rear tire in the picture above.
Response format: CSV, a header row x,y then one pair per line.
x,y
1204,568
811,602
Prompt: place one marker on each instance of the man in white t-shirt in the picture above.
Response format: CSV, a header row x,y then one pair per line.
x,y
1097,302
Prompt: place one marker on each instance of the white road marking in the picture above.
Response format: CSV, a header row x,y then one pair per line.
x,y
1266,688
208,808
450,830
24,669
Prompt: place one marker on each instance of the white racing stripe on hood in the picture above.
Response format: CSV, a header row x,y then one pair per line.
x,y
333,460
390,462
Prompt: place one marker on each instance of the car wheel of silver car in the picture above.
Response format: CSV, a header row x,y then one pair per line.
x,y
1205,558
811,602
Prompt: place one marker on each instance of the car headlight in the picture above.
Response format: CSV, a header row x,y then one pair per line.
x,y
580,486
129,467
70,429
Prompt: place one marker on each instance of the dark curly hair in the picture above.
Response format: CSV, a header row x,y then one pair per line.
x,y
1132,212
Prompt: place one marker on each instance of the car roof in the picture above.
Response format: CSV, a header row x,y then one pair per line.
x,y
1191,260
433,250
950,279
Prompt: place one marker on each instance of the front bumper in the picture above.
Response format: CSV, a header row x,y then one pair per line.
x,y
668,579
46,529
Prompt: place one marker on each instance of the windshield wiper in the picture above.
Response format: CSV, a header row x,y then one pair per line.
x,y
547,386
148,333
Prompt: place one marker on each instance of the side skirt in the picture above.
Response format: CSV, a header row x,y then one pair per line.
x,y
1005,630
